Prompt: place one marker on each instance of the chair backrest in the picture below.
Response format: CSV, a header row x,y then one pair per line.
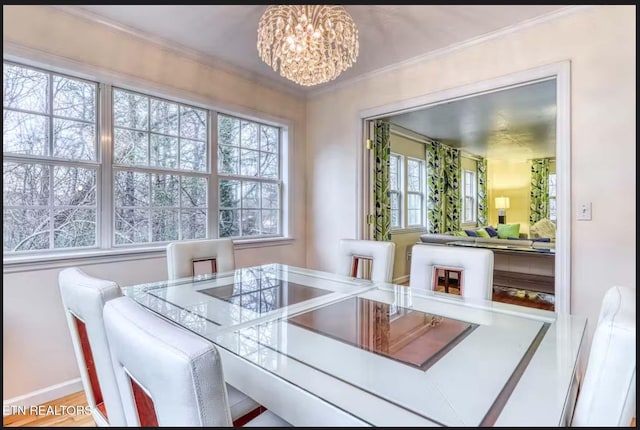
x,y
83,298
475,265
607,396
166,375
183,258
381,255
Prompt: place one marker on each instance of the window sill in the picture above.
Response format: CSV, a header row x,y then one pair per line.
x,y
24,263
409,230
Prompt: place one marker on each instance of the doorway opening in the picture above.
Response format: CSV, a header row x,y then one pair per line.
x,y
504,149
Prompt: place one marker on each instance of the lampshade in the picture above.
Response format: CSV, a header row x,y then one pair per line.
x,y
502,202
308,44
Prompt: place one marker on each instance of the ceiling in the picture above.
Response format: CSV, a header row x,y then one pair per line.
x,y
388,33
511,124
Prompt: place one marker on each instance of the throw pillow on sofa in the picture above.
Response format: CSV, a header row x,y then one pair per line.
x,y
471,233
506,231
481,232
492,231
460,233
543,228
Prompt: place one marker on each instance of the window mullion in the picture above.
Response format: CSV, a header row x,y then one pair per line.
x,y
51,167
150,176
106,207
50,113
403,191
213,201
51,212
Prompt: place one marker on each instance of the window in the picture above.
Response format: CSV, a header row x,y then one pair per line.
x,y
50,168
395,189
150,180
469,196
250,185
552,196
415,192
159,169
406,191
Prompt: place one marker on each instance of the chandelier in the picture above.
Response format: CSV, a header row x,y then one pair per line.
x,y
308,44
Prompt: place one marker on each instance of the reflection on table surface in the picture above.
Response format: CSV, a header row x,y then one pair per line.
x,y
410,336
264,294
205,303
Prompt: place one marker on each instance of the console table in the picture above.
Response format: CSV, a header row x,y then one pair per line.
x,y
520,267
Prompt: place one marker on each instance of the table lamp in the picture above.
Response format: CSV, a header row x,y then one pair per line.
x,y
502,203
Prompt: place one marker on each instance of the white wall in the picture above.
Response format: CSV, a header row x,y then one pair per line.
x,y
37,351
600,43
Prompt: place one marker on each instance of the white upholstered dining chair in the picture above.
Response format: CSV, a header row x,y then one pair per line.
x,y
379,254
607,395
168,376
473,266
196,257
83,298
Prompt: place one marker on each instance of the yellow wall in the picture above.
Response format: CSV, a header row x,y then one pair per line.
x,y
509,179
405,146
468,163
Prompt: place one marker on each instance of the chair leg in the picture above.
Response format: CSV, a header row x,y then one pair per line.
x,y
446,281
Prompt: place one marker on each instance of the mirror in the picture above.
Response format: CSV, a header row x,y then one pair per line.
x,y
481,169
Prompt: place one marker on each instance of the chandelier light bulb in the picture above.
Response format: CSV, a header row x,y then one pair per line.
x,y
308,44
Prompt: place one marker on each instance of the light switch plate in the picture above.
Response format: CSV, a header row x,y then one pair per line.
x,y
583,212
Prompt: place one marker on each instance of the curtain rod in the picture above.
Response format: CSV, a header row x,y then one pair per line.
x,y
402,131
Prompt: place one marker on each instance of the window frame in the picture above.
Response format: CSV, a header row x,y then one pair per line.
x,y
158,170
244,178
103,252
473,196
397,192
553,196
52,161
421,193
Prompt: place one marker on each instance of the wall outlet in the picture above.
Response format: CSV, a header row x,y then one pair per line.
x,y
583,212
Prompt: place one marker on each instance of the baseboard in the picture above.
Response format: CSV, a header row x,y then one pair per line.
x,y
44,395
401,279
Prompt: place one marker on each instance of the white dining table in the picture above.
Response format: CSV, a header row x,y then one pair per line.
x,y
321,349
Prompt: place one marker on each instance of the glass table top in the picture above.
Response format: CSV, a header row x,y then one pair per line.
x,y
206,303
443,360
421,357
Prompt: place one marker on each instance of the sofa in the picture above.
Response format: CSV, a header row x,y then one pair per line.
x,y
521,242
519,262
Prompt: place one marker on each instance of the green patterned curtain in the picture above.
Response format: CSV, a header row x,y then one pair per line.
x,y
452,189
483,208
539,190
382,152
443,188
435,186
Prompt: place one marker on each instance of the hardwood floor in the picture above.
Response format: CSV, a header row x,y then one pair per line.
x,y
57,417
512,296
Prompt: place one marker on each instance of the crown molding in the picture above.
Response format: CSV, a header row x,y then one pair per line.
x,y
304,93
550,16
179,49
